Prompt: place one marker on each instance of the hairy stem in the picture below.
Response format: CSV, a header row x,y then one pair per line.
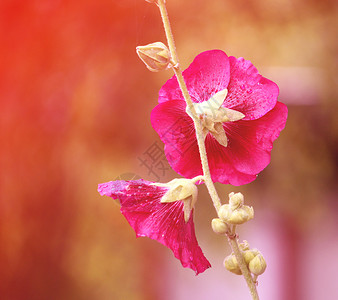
x,y
201,145
242,265
198,126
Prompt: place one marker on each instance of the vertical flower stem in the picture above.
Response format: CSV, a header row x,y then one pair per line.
x,y
199,135
245,272
201,145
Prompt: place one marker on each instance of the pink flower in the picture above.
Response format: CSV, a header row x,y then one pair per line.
x,y
151,211
240,115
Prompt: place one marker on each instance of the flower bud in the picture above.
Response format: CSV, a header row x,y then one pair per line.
x,y
235,213
236,200
224,212
249,255
156,56
240,216
218,226
257,265
231,264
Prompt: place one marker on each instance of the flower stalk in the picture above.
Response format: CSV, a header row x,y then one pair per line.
x,y
198,126
202,149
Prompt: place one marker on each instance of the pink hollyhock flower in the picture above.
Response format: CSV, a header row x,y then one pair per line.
x,y
162,212
239,112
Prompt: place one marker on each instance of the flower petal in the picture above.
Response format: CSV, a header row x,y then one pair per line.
x,y
249,147
208,74
141,205
249,92
176,130
247,153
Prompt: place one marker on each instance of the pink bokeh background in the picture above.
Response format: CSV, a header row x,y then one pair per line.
x,y
75,106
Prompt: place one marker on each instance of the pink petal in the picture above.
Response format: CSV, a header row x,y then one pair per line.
x,y
249,147
250,142
176,130
248,151
207,74
249,92
164,222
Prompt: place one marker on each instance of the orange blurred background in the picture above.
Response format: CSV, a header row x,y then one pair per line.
x,y
75,107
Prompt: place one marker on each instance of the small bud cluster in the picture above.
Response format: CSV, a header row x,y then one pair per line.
x,y
235,212
252,257
219,227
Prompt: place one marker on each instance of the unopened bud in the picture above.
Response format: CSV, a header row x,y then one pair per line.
x,y
235,213
224,212
156,56
249,255
236,200
257,265
218,226
231,264
238,217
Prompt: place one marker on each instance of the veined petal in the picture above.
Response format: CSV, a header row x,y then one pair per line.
x,y
248,92
249,147
208,74
141,205
247,152
176,130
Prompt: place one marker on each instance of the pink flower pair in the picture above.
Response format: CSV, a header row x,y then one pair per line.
x,y
240,116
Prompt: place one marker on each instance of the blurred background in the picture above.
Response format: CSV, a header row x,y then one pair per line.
x,y
75,106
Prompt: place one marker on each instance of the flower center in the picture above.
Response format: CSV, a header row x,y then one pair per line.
x,y
180,189
212,115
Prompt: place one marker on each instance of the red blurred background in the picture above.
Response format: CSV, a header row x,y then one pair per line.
x,y
75,106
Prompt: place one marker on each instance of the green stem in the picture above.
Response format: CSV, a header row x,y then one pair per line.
x,y
201,145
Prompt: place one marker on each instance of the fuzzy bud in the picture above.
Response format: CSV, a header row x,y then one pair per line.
x,y
156,56
218,226
224,212
257,265
235,212
240,216
249,255
231,264
236,217
236,200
